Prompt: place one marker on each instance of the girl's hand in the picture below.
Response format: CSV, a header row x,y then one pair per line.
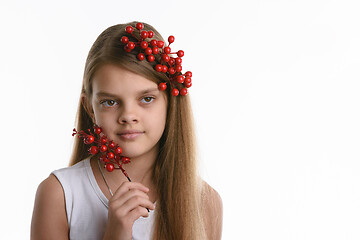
x,y
127,205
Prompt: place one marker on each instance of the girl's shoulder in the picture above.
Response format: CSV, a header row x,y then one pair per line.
x,y
49,207
209,193
49,211
212,210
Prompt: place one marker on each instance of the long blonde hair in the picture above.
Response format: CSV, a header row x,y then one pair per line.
x,y
178,207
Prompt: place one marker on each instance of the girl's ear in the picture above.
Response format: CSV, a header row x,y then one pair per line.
x,y
85,101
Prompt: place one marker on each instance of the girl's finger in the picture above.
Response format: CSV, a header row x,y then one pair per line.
x,y
125,210
136,202
138,212
117,202
126,186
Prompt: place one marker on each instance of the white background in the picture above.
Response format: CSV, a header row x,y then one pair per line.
x,y
275,97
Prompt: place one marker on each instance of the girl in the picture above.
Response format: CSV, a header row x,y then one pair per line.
x,y
166,198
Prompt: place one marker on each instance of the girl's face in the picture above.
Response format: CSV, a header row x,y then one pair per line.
x,y
130,109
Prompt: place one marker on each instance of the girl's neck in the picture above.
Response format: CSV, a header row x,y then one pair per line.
x,y
140,169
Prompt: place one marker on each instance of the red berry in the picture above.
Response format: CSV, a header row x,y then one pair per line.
x,y
183,92
178,61
178,68
110,167
127,49
160,44
151,58
141,56
165,57
155,50
151,34
188,74
111,155
103,140
89,139
158,67
125,160
172,61
93,150
130,45
164,68
118,150
175,92
180,53
167,50
143,44
124,40
153,42
180,79
97,130
148,51
187,80
171,39
139,26
172,70
111,144
188,84
129,29
162,86
103,148
144,34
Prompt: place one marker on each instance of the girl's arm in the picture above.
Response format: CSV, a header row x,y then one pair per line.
x,y
212,212
49,220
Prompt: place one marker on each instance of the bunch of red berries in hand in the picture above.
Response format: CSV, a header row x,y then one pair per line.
x,y
167,64
110,151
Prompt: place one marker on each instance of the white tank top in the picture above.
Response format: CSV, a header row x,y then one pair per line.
x,y
87,206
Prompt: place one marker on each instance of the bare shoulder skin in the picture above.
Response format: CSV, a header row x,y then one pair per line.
x,y
49,220
212,212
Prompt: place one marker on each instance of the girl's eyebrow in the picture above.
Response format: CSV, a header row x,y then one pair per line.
x,y
149,90
107,94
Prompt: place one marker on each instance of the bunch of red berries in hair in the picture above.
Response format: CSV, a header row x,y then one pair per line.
x,y
110,151
179,83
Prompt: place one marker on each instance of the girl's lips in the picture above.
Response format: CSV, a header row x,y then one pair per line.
x,y
130,134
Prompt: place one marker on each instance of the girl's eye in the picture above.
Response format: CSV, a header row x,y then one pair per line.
x,y
147,99
108,103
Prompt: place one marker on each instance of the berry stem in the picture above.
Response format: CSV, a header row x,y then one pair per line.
x,y
135,37
127,176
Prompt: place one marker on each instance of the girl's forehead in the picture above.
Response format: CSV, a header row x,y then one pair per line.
x,y
114,79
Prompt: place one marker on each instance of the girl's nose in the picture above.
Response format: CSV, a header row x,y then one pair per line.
x,y
128,115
